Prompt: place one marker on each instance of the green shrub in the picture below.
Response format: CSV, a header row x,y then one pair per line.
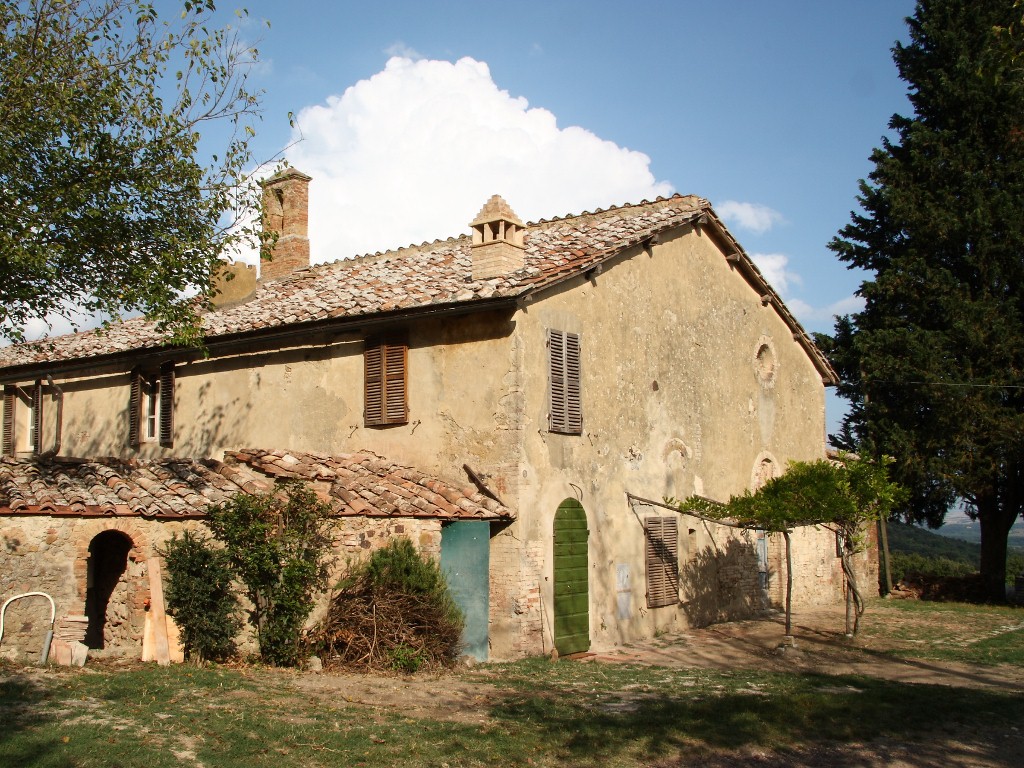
x,y
392,611
406,659
200,598
279,545
906,566
399,567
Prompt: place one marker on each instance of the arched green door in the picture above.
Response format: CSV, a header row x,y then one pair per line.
x,y
571,567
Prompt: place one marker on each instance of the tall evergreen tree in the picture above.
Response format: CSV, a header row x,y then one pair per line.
x,y
934,364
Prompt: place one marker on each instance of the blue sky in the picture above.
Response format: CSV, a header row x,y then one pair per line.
x,y
769,110
410,114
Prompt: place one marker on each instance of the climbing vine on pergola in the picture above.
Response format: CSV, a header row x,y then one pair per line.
x,y
843,495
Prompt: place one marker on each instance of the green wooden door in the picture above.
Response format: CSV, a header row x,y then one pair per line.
x,y
465,560
571,568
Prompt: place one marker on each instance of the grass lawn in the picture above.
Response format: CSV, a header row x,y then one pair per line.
x,y
973,634
530,713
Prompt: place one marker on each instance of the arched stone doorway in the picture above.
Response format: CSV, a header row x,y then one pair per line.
x,y
107,602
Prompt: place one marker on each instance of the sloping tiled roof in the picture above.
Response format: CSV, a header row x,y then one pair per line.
x,y
359,483
434,275
431,274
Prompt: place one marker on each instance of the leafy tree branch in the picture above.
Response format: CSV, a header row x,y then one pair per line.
x,y
109,202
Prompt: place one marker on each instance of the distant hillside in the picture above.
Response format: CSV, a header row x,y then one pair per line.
x,y
969,530
920,550
914,540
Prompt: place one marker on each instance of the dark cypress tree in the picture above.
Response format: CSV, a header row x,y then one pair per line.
x,y
934,364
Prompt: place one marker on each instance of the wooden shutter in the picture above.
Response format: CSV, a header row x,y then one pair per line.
x,y
385,384
135,410
167,405
396,409
373,377
565,412
662,556
37,418
573,408
10,402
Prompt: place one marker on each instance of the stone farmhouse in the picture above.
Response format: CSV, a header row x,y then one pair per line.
x,y
509,399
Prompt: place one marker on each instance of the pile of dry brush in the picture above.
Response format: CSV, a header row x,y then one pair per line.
x,y
393,611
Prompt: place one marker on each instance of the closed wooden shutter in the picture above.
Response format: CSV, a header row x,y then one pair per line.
x,y
135,409
167,405
573,408
662,556
37,418
10,402
556,381
396,409
373,377
565,412
385,384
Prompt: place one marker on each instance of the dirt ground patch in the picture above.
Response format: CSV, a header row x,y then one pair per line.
x,y
428,696
820,648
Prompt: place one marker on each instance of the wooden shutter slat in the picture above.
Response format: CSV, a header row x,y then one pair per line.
x,y
670,535
135,409
385,384
37,418
573,406
662,561
556,381
167,405
565,411
373,399
10,402
395,405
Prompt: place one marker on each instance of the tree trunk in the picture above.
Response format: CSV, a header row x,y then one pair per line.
x,y
883,536
996,521
789,584
849,612
854,598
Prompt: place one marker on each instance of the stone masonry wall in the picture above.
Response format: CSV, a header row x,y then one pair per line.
x,y
516,610
41,554
817,570
718,576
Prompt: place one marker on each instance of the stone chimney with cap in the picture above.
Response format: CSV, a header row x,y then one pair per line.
x,y
286,212
497,240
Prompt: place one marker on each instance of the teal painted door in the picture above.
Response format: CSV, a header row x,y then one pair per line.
x,y
571,568
465,560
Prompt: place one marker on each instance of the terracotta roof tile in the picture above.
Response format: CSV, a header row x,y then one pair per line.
x,y
361,483
434,274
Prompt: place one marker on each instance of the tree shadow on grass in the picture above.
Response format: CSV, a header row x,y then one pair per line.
x,y
809,710
24,738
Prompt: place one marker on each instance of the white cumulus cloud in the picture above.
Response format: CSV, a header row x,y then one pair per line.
x,y
774,267
754,217
402,50
413,153
824,316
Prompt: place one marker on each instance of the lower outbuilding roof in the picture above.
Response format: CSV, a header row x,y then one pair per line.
x,y
354,484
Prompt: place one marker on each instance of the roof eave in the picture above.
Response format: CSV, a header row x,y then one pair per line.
x,y
224,343
735,253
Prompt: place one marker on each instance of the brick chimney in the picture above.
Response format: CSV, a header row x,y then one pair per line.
x,y
286,212
497,240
